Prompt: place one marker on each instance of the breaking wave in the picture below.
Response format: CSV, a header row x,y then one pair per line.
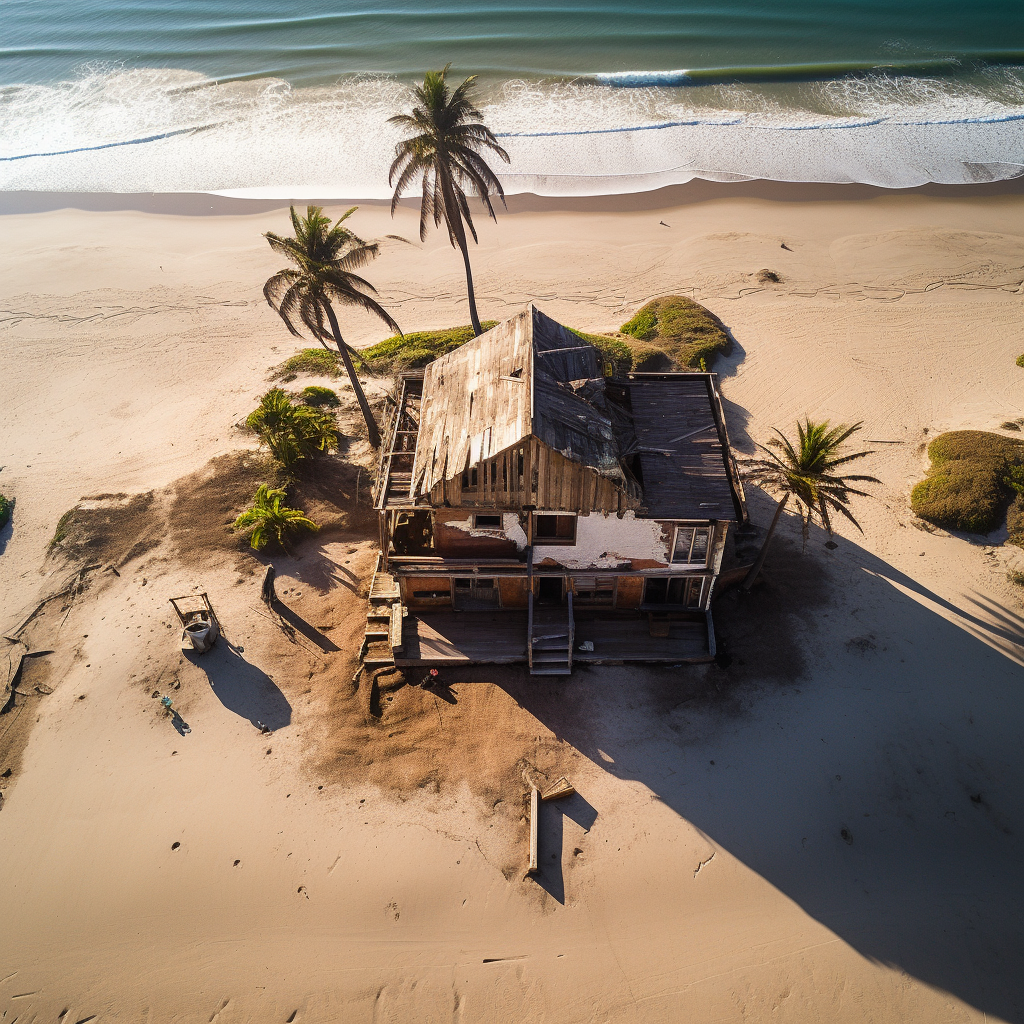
x,y
144,130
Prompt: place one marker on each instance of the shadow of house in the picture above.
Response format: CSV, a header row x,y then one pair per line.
x,y
876,781
243,688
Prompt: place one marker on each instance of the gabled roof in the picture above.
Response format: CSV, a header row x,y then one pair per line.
x,y
529,376
531,379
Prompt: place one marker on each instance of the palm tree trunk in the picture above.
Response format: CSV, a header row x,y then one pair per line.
x,y
755,569
474,318
454,217
371,424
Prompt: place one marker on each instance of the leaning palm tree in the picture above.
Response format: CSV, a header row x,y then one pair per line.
x,y
324,258
443,150
806,471
270,520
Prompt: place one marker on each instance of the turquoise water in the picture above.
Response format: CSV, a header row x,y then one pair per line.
x,y
292,98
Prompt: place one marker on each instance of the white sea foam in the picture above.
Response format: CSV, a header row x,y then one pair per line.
x,y
125,130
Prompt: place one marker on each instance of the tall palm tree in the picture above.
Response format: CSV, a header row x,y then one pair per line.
x,y
443,149
324,258
806,471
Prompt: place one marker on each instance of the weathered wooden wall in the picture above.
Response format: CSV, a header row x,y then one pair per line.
x,y
628,591
531,474
419,584
513,591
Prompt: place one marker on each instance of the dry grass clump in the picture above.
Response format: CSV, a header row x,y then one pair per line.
x,y
973,477
678,331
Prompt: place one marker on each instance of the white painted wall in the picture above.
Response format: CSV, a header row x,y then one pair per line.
x,y
607,542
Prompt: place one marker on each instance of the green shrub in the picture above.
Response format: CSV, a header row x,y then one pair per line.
x,y
413,350
682,329
1020,359
319,396
1016,576
1015,521
616,351
974,476
291,432
321,362
270,521
6,506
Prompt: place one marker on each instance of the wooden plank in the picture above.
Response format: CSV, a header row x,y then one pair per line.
x,y
562,788
534,866
395,631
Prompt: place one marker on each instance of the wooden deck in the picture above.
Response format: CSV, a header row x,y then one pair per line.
x,y
499,638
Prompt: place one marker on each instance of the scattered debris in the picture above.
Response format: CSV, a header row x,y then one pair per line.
x,y
200,627
560,789
768,277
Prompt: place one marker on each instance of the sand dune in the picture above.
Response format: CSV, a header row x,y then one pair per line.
x,y
829,829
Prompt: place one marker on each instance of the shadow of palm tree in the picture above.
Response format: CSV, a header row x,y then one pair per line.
x,y
242,687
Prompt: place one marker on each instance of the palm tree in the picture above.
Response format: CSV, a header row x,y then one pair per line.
x,y
325,257
269,519
443,150
292,432
806,472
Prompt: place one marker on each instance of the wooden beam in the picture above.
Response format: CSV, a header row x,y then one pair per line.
x,y
534,864
395,630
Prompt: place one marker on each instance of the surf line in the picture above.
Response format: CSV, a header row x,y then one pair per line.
x,y
627,128
114,145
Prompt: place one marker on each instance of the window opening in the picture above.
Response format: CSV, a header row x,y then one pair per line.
x,y
487,522
554,529
691,545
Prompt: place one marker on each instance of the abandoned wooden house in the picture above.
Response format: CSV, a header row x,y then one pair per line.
x,y
536,508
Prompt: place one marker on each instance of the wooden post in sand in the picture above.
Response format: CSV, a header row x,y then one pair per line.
x,y
534,819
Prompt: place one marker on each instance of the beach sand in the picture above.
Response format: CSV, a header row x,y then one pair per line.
x,y
828,829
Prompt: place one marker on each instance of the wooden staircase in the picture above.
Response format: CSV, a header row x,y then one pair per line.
x,y
550,639
383,634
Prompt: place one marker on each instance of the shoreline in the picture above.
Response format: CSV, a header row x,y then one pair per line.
x,y
699,190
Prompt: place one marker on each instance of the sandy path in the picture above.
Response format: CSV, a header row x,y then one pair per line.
x,y
876,687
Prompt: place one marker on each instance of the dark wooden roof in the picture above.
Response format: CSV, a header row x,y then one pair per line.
x,y
683,449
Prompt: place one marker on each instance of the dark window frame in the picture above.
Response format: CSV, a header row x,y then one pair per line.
x,y
555,540
695,528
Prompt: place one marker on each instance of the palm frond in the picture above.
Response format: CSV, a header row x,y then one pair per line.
x,y
805,471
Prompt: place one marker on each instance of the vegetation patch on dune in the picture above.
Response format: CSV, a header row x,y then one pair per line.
x,y
321,362
410,351
677,328
5,510
973,478
1020,359
669,333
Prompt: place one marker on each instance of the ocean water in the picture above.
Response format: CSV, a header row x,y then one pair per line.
x,y
588,96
